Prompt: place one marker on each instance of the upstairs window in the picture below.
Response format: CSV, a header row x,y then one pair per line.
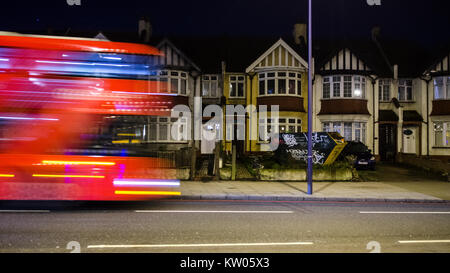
x,y
384,90
405,90
170,81
441,88
280,83
237,86
347,86
210,86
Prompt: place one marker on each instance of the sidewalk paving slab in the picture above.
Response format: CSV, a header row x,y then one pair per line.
x,y
296,191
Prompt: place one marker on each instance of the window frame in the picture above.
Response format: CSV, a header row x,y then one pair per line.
x,y
382,83
266,76
158,122
341,81
282,121
402,84
210,82
361,126
168,76
445,125
238,79
445,87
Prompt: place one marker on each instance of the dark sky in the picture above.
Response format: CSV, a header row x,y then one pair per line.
x,y
424,21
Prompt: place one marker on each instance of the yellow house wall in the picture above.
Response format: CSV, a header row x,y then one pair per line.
x,y
252,95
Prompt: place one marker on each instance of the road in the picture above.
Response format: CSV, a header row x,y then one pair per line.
x,y
226,227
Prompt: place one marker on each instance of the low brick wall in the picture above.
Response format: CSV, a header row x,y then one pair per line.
x,y
428,164
300,175
171,173
296,175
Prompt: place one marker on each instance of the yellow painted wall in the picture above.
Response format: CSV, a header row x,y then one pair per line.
x,y
252,95
252,90
226,145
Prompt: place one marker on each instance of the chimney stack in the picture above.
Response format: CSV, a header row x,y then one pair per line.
x,y
299,33
144,29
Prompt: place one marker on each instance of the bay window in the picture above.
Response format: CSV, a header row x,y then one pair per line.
x,y
442,88
280,83
442,134
284,125
170,82
344,86
351,131
160,129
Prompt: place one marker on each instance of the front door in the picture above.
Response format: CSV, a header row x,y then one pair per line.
x,y
388,141
409,140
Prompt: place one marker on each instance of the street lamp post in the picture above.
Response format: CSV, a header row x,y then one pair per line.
x,y
310,170
194,74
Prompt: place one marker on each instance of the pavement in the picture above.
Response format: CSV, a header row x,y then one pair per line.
x,y
297,191
387,184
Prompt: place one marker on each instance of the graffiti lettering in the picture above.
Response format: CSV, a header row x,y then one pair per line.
x,y
290,140
317,157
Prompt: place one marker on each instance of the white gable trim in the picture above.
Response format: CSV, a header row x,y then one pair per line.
x,y
442,66
345,59
282,43
181,58
101,36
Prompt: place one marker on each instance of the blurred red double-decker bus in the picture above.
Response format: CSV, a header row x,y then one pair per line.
x,y
68,109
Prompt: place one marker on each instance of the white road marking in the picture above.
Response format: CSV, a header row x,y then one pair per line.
x,y
405,212
423,241
214,211
201,245
27,211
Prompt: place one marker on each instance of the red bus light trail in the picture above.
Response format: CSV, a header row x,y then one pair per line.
x,y
64,102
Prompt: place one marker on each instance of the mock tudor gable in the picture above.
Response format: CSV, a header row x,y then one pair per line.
x,y
173,57
280,55
345,61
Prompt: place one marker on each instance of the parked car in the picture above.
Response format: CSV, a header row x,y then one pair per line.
x,y
362,155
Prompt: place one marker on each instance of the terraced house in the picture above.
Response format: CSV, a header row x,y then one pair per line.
x,y
279,78
392,99
343,94
262,72
393,96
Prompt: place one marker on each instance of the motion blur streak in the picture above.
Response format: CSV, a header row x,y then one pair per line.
x,y
68,175
142,182
25,118
148,192
64,101
53,162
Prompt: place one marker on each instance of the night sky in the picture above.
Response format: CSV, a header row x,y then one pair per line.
x,y
424,21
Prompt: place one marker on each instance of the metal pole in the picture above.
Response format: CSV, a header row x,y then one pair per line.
x,y
310,170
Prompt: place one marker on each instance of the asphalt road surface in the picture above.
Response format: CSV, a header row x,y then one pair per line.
x,y
226,227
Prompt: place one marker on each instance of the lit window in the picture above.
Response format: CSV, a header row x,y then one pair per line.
x,y
346,86
351,131
280,83
442,88
442,134
284,125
